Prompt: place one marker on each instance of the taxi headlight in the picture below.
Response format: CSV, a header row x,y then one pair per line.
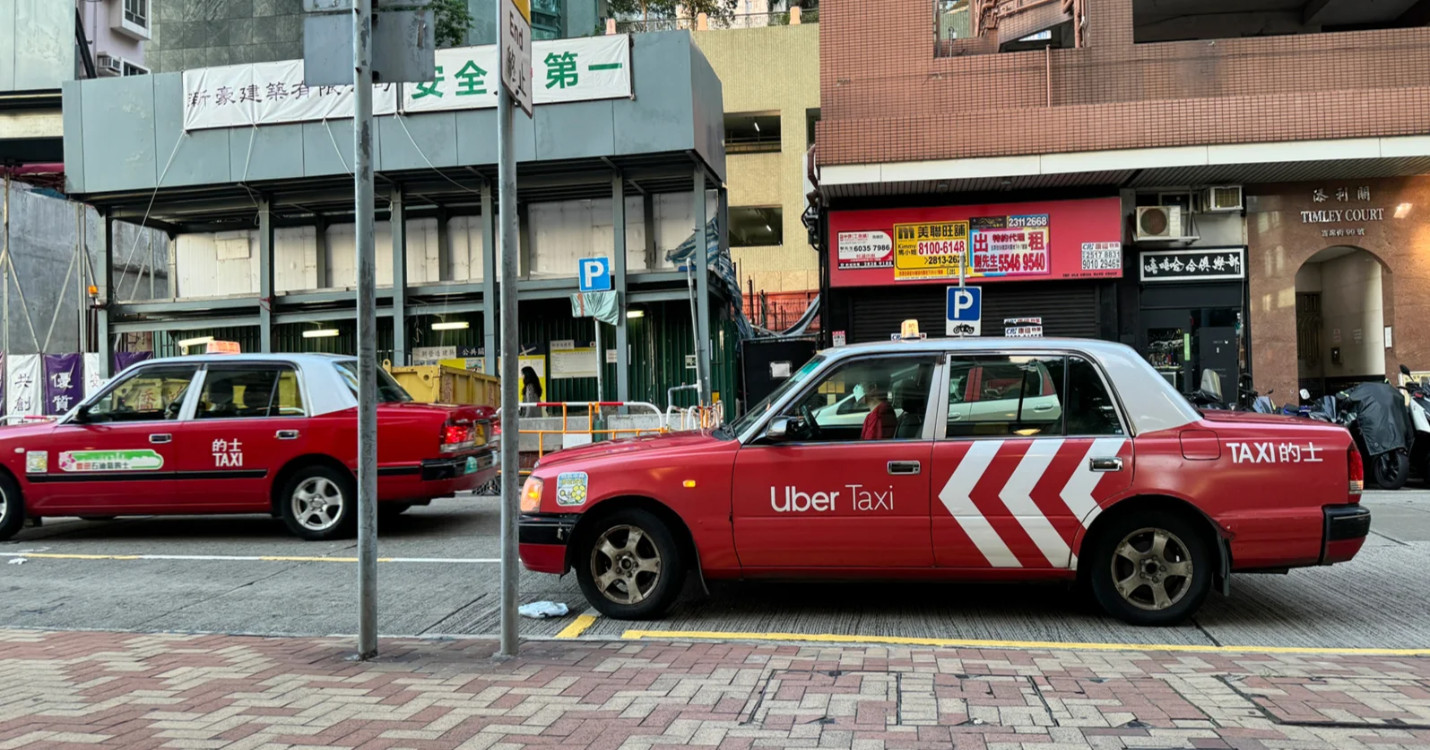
x,y
531,495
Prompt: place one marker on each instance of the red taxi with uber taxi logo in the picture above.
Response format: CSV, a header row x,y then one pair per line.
x,y
992,459
252,433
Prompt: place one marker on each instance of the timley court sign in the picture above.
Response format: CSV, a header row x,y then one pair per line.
x,y
565,70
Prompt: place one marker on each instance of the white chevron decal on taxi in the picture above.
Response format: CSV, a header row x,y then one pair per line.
x,y
1077,493
955,496
1017,494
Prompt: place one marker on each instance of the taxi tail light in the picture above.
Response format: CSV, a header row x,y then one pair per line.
x,y
457,436
1357,474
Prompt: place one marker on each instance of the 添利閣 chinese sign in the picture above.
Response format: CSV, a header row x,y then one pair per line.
x,y
564,70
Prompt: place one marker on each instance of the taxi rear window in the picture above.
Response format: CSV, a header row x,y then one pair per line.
x,y
388,391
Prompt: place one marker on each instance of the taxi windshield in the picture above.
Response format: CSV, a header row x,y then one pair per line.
x,y
754,412
388,391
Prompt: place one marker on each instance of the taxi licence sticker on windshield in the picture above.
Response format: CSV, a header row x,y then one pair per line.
x,y
131,460
571,488
37,462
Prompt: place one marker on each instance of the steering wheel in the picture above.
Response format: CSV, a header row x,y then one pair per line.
x,y
807,414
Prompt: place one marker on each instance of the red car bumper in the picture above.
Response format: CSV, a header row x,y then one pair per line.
x,y
542,542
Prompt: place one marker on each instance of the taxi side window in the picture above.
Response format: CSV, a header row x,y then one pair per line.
x,y
1090,408
867,399
250,392
151,394
1005,396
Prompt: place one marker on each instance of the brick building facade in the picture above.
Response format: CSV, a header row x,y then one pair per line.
x,y
929,116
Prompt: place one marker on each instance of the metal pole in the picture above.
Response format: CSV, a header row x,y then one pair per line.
x,y
600,366
81,309
702,289
5,269
510,350
366,329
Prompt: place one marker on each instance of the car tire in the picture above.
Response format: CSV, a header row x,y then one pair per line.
x,y
1134,581
630,566
12,507
1390,470
319,503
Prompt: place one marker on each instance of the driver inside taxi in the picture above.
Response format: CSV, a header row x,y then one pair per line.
x,y
881,421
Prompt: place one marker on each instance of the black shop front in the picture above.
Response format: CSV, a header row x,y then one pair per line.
x,y
1191,316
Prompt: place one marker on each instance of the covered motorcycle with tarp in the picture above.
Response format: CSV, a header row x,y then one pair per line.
x,y
1379,420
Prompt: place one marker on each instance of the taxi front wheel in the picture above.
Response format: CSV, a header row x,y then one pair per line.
x,y
630,566
319,503
1151,568
12,508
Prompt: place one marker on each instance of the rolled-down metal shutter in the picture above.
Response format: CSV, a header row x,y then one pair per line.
x,y
1067,309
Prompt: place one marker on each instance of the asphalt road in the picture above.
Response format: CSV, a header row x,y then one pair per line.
x,y
440,576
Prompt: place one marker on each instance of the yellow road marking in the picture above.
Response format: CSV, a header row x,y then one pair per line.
x,y
577,626
891,640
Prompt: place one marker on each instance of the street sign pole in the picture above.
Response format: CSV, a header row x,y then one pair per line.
x,y
514,54
366,329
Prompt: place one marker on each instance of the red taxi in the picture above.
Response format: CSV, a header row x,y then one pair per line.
x,y
254,433
973,459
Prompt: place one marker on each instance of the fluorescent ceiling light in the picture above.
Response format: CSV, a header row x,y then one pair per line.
x,y
186,343
321,333
633,314
451,325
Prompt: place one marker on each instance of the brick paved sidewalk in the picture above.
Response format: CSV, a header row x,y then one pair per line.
x,y
72,689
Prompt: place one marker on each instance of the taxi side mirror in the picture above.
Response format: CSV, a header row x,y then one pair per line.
x,y
783,428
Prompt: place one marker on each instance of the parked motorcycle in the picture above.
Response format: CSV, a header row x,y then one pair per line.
x,y
1380,422
1419,395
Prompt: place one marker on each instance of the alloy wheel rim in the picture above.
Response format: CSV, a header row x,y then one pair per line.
x,y
4,506
1152,569
625,564
317,504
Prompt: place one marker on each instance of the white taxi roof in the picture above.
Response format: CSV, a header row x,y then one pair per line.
x,y
325,389
1149,400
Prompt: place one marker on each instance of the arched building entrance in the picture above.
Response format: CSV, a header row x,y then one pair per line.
x,y
1341,301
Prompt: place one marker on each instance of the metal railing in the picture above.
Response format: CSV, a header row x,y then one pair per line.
x,y
26,419
576,423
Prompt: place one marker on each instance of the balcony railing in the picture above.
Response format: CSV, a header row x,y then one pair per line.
x,y
702,22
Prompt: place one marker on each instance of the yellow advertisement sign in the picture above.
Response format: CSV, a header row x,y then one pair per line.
x,y
932,250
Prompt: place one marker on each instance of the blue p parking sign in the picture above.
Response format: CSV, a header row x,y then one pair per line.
x,y
965,311
594,274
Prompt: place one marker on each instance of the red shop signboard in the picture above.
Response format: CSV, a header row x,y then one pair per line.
x,y
1077,239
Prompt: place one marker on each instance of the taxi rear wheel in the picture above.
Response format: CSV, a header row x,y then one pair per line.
x,y
630,566
1151,568
12,508
319,503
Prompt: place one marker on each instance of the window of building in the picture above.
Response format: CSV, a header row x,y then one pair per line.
x,y
137,13
962,27
130,69
756,226
811,119
1180,20
752,133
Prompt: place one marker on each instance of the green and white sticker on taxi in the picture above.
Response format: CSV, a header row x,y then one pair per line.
x,y
121,460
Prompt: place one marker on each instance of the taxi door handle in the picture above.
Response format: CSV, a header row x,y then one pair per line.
x,y
1105,464
286,434
160,439
904,467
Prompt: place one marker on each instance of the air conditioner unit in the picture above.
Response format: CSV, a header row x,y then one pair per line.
x,y
1159,223
108,65
1224,198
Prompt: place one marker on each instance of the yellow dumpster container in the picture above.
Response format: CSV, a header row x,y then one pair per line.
x,y
443,384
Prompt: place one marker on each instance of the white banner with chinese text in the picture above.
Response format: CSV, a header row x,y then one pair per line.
x,y
24,385
269,94
564,70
